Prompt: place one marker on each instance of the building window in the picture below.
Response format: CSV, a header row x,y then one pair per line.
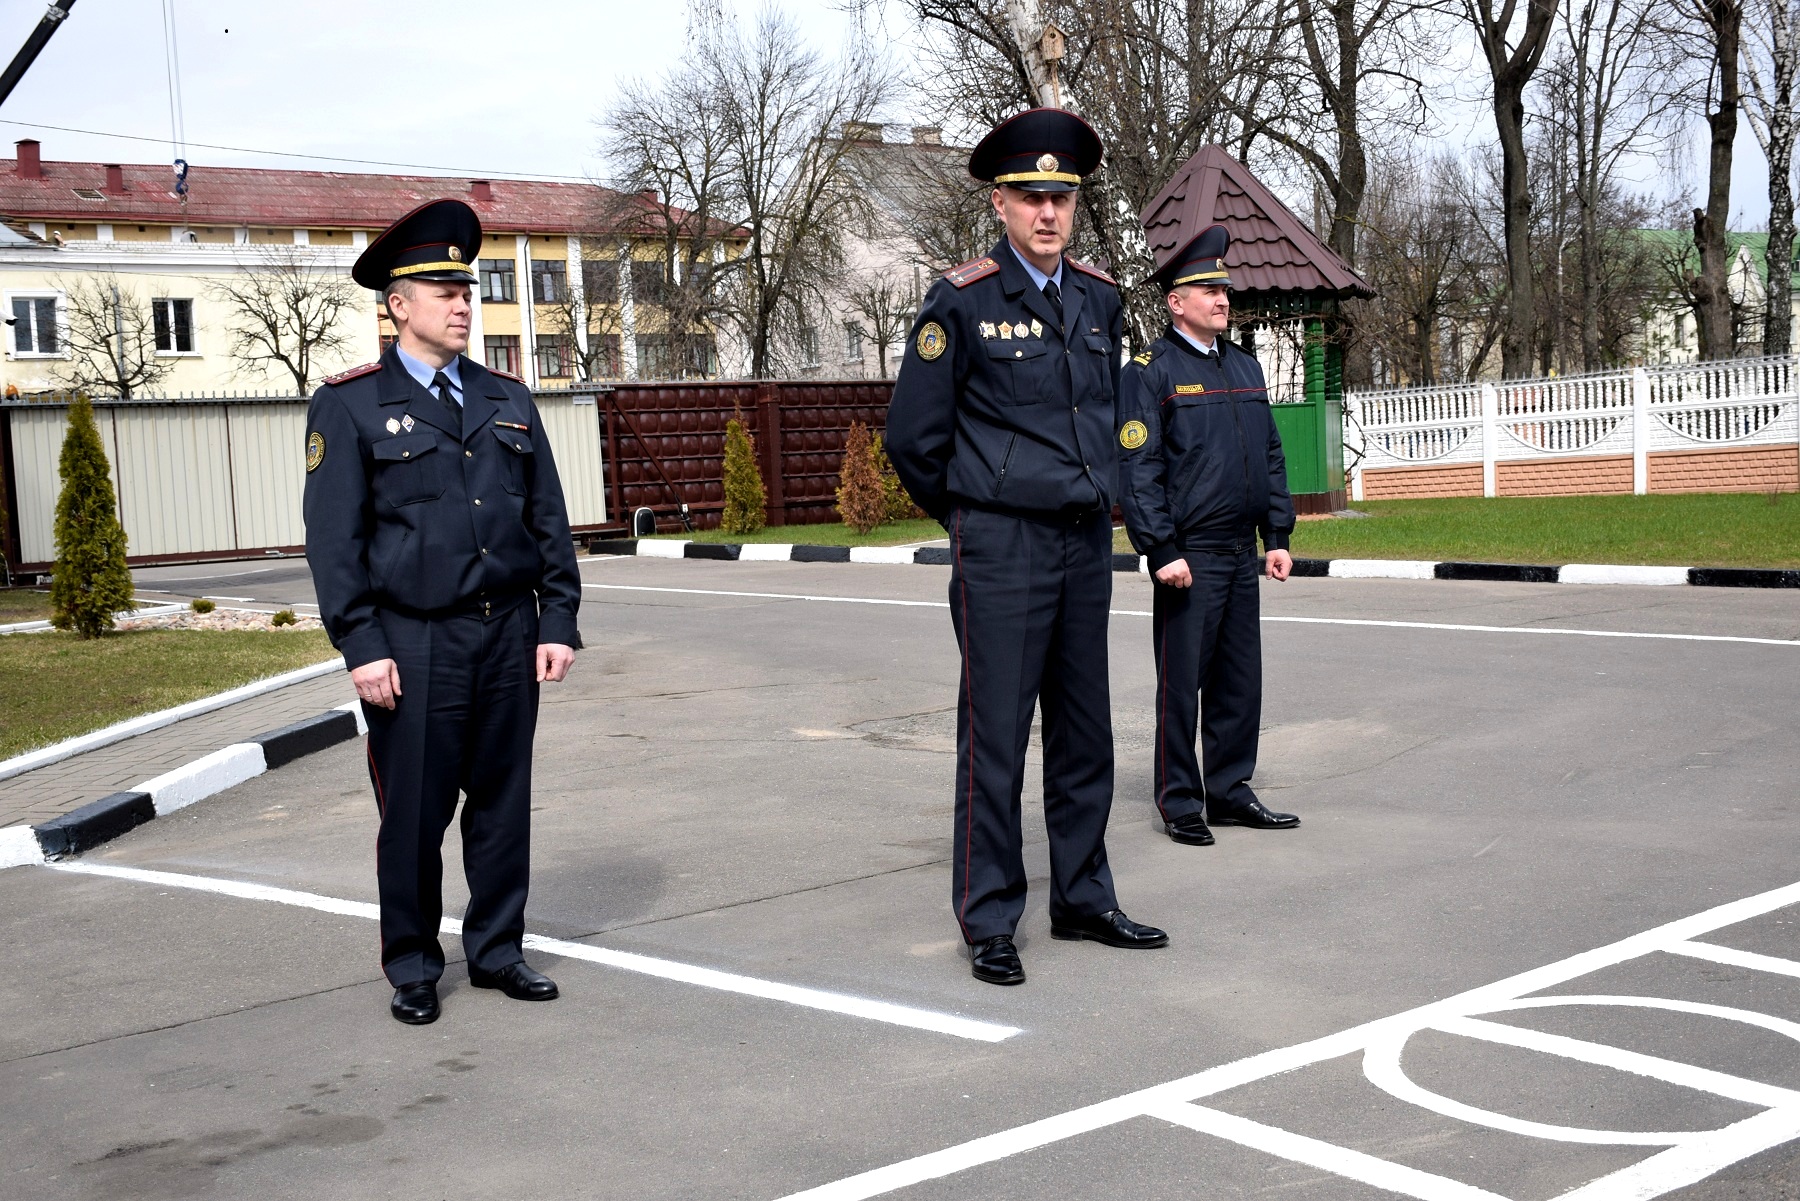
x,y
549,281
853,338
606,363
600,281
502,351
649,281
387,340
553,356
809,346
689,356
174,321
35,325
497,286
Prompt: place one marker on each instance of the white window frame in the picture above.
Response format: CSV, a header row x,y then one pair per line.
x,y
854,336
193,329
62,323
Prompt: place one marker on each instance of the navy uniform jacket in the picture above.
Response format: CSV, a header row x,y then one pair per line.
x,y
1200,458
428,521
994,408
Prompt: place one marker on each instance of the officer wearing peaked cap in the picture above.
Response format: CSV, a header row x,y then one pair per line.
x,y
1202,476
440,549
1001,428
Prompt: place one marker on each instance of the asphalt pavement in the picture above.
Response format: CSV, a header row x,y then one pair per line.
x,y
1536,920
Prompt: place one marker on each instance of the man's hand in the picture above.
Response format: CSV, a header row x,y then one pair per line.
x,y
377,683
1278,563
1175,575
553,662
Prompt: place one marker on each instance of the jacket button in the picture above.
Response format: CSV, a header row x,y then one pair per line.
x,y
468,454
406,454
484,550
1018,354
477,502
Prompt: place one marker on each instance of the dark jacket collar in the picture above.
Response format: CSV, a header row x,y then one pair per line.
x,y
1018,285
480,391
1177,340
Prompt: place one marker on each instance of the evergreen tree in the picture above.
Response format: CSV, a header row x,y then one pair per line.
x,y
862,502
91,581
744,495
900,506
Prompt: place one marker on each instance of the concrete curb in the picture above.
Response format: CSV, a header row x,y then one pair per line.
x,y
101,821
1343,569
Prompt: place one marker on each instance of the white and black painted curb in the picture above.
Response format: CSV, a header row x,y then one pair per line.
x,y
105,819
1344,569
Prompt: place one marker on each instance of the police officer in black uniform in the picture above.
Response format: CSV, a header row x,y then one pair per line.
x,y
440,550
1202,475
1001,428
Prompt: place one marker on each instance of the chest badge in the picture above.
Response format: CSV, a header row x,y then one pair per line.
x,y
1133,435
393,425
931,341
1037,328
1006,330
987,329
315,451
1189,389
1021,329
406,423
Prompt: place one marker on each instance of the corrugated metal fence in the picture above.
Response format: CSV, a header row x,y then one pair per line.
x,y
222,478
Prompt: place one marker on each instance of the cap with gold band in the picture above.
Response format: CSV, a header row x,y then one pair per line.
x,y
436,241
1039,150
1200,261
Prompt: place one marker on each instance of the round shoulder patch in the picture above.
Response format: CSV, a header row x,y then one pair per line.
x,y
1133,435
932,341
315,450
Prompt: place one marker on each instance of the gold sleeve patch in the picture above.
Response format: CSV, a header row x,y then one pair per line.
x,y
932,341
1133,435
1189,389
1142,360
315,451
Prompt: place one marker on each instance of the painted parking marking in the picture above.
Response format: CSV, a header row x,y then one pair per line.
x,y
667,969
1688,1156
1323,621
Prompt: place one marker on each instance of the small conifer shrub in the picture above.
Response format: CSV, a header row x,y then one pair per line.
x,y
284,617
91,581
900,505
862,502
201,605
745,497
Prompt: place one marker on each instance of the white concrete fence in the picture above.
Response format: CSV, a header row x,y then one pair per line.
x,y
1637,413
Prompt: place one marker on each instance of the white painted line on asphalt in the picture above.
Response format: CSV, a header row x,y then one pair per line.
x,y
1614,573
237,599
1328,1157
1715,1148
1382,569
666,969
19,847
132,727
1323,621
203,777
1736,958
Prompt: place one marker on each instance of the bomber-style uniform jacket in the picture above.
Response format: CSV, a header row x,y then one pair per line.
x,y
1200,464
407,512
997,408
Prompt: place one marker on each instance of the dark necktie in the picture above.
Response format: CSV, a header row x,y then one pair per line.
x,y
441,382
1053,294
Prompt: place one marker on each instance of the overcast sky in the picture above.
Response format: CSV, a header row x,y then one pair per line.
x,y
474,86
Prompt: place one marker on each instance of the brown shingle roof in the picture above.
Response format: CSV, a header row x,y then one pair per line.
x,y
1272,251
309,199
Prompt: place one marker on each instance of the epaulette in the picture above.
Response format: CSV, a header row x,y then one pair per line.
x,y
969,272
353,373
1093,271
1142,359
517,379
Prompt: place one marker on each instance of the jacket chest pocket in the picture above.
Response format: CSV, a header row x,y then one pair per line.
x,y
408,469
1025,366
515,460
1097,363
1196,421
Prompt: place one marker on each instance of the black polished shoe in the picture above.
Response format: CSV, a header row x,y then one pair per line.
x,y
415,1004
1190,829
996,961
1257,816
1112,928
516,981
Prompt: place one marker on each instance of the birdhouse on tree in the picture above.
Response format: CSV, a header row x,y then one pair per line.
x,y
1052,43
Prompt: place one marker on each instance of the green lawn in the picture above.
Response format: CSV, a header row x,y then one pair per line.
x,y
23,604
55,686
1741,529
894,533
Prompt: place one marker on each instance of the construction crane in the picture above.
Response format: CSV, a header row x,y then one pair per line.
x,y
21,63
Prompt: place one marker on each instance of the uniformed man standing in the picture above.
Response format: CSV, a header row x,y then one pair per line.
x,y
1001,428
1202,475
440,550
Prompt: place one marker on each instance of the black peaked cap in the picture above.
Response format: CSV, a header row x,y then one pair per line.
x,y
1200,261
438,240
1039,150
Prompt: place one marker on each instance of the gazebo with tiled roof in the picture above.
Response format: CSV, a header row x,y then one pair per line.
x,y
1286,285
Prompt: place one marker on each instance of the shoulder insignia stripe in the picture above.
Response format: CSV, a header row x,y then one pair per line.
x,y
1141,360
971,271
353,373
1093,271
517,379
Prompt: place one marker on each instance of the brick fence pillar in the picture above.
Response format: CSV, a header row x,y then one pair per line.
x,y
768,436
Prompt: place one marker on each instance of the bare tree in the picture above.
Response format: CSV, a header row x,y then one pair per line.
x,y
886,306
111,336
285,311
1772,46
1717,25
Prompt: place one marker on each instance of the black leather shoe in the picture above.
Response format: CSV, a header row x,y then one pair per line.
x,y
1112,928
516,981
996,961
415,1004
1257,817
1191,830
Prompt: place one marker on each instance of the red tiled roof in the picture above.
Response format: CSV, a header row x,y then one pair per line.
x,y
309,199
1271,249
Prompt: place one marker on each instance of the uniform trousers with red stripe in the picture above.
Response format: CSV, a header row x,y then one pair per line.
x,y
1029,601
463,724
1208,640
